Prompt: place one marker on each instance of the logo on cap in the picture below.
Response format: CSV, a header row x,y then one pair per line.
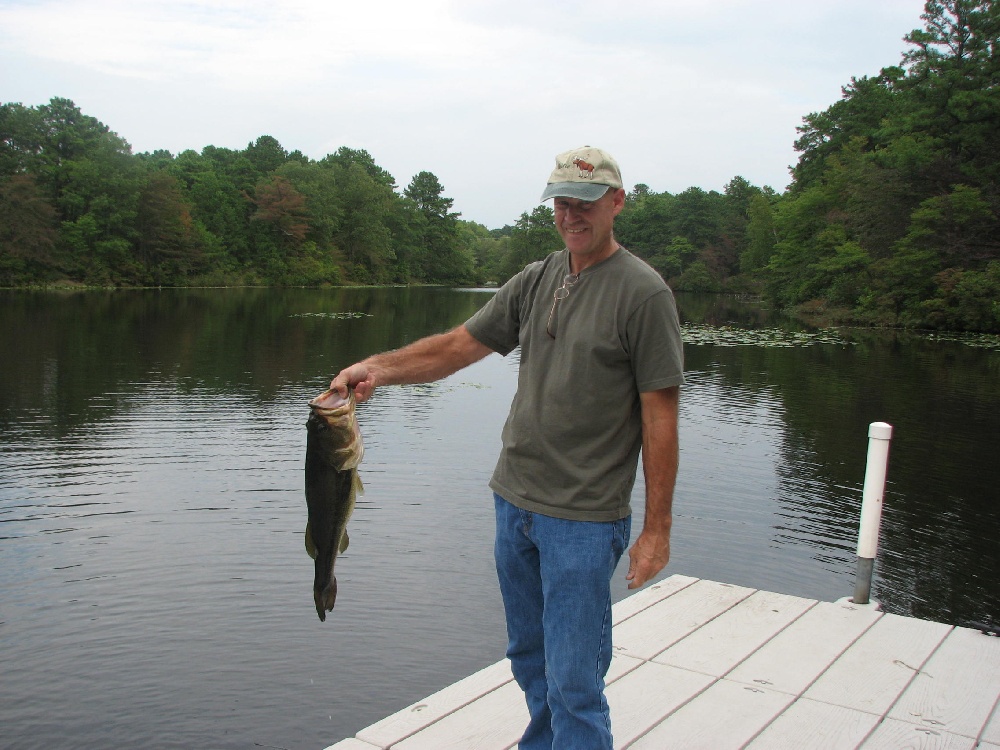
x,y
586,169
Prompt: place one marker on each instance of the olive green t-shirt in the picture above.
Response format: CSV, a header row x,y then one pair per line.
x,y
572,439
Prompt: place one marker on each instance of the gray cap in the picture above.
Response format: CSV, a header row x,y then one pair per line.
x,y
584,173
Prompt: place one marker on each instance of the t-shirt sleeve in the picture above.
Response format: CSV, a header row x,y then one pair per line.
x,y
497,323
654,337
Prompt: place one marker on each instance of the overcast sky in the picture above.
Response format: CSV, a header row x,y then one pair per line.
x,y
483,93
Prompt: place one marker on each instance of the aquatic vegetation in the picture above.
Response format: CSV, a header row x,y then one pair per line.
x,y
698,334
989,341
333,315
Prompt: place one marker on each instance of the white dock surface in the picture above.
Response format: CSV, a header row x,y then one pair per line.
x,y
700,664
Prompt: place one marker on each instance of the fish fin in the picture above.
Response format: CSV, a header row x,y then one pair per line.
x,y
344,541
325,599
358,487
310,544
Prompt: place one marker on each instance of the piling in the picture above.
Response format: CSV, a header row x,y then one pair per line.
x,y
879,435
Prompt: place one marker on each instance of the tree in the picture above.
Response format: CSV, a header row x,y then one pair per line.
x,y
345,156
20,139
760,233
864,106
647,224
28,231
443,257
266,154
363,235
534,237
168,243
92,180
283,208
323,201
952,82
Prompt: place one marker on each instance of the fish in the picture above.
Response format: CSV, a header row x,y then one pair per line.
x,y
334,449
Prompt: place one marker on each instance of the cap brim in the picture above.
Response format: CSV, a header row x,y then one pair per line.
x,y
584,191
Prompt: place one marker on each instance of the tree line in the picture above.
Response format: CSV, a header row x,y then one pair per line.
x,y
892,216
76,204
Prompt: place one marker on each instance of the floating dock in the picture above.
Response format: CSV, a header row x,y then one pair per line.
x,y
700,664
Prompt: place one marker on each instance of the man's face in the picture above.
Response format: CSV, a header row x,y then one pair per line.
x,y
586,227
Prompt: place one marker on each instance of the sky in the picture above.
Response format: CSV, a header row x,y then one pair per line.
x,y
483,93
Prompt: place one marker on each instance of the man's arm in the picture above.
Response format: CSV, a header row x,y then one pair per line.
x,y
651,551
423,361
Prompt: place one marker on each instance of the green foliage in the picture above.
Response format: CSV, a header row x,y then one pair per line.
x,y
760,234
893,216
697,278
895,209
534,236
965,300
28,233
168,245
78,205
444,258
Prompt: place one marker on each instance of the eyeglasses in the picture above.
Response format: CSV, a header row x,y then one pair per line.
x,y
561,293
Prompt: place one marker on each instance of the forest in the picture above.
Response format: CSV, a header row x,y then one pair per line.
x,y
892,217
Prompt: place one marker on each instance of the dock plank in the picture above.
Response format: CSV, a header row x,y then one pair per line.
x,y
734,635
894,735
352,743
992,732
956,700
647,597
646,695
880,665
495,721
817,726
621,665
658,627
805,649
703,724
423,713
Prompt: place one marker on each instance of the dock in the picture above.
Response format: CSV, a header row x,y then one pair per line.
x,y
700,664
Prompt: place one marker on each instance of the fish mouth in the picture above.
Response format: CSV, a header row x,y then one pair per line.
x,y
330,401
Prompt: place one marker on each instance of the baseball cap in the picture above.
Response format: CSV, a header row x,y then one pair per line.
x,y
584,173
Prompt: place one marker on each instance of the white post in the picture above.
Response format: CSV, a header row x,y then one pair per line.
x,y
879,435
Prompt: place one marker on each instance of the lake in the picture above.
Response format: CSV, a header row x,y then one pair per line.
x,y
154,587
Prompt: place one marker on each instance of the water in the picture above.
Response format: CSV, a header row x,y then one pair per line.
x,y
154,589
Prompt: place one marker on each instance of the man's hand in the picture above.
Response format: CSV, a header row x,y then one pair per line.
x,y
647,557
360,377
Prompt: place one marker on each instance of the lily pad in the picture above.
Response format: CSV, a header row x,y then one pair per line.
x,y
700,334
333,315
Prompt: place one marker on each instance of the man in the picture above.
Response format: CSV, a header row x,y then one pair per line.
x,y
599,377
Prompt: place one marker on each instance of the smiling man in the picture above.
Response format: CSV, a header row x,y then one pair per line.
x,y
599,376
586,197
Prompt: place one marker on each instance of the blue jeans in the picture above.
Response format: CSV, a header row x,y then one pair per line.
x,y
555,578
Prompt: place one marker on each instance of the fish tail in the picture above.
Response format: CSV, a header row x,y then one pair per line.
x,y
325,598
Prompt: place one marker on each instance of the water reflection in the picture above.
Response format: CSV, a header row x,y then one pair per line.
x,y
153,582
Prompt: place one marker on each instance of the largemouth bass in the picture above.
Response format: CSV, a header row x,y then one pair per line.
x,y
333,451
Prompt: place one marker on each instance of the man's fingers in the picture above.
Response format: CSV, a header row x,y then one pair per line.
x,y
646,560
356,377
